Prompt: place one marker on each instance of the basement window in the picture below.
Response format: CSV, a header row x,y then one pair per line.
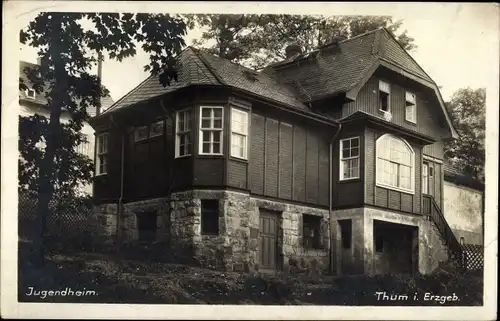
x,y
346,233
30,93
210,217
311,231
384,90
147,223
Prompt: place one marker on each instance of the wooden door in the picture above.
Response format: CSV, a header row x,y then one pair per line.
x,y
268,240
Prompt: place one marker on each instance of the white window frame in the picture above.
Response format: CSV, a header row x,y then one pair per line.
x,y
151,135
378,169
425,178
186,132
384,87
102,153
411,98
241,133
342,159
211,129
30,90
137,130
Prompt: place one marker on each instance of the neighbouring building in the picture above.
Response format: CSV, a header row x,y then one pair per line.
x,y
331,159
31,103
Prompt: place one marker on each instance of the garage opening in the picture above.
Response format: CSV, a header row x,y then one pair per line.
x,y
395,248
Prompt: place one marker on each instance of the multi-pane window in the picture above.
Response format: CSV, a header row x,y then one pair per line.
x,y
30,93
84,146
349,158
425,178
156,129
141,133
211,130
210,217
239,133
102,154
384,90
183,133
311,229
395,160
411,107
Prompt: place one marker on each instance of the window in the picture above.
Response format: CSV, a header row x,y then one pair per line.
x,y
84,147
425,178
30,93
102,154
311,226
346,233
349,158
384,92
183,133
140,133
239,133
395,159
147,225
156,129
211,130
210,217
411,107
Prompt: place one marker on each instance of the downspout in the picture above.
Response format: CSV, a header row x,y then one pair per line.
x,y
330,196
120,199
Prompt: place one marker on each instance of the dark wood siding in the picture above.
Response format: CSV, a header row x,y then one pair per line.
x,y
286,166
237,174
429,119
208,171
287,161
257,136
107,187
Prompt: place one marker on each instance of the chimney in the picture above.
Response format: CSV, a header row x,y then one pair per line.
x,y
292,51
99,77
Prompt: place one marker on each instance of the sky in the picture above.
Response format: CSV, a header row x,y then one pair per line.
x,y
454,45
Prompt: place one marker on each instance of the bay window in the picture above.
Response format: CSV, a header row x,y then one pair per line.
x,y
183,133
395,163
349,158
211,130
239,133
102,154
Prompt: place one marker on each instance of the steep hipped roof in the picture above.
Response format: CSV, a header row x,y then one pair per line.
x,y
345,67
197,68
39,99
339,68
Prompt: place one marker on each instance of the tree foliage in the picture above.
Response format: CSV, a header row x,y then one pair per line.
x,y
67,44
258,40
468,111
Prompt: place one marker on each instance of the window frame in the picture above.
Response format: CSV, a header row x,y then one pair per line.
x,y
212,129
413,120
341,159
245,113
162,122
315,243
99,153
186,133
412,167
388,93
425,177
28,90
137,129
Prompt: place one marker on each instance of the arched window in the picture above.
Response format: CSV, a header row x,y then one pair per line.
x,y
395,163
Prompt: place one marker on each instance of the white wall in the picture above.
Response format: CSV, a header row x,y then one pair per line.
x,y
88,149
463,209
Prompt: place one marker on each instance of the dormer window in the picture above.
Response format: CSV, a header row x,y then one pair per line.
x,y
30,93
411,107
384,92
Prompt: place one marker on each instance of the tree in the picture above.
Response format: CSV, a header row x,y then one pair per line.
x,y
467,110
258,40
67,51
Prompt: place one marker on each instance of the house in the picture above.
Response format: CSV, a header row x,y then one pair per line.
x,y
31,103
328,160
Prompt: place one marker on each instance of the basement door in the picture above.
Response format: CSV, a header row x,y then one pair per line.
x,y
268,255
